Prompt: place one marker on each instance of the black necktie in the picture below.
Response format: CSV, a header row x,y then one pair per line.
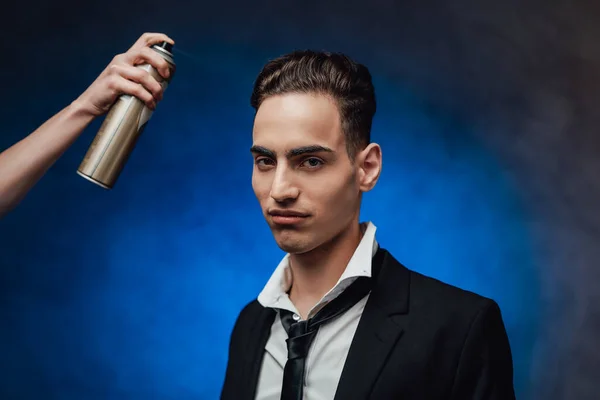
x,y
302,333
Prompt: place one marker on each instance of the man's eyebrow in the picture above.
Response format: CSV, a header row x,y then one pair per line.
x,y
298,151
263,151
308,149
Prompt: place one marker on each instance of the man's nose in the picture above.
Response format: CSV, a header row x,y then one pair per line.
x,y
283,188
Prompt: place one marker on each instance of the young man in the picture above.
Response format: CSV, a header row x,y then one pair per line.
x,y
340,318
23,164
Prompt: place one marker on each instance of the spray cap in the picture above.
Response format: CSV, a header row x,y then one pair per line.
x,y
164,46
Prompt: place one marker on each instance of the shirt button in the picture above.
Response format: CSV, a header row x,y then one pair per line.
x,y
296,317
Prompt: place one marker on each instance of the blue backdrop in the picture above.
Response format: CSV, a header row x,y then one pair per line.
x,y
132,293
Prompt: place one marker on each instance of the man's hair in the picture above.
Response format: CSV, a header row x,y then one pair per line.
x,y
333,74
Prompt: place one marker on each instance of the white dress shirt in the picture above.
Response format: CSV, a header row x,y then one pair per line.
x,y
328,352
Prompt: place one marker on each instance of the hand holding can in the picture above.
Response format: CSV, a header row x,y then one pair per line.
x,y
129,89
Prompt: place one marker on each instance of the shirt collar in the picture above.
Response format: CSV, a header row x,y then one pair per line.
x,y
274,293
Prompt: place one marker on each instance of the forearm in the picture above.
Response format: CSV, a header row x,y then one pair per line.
x,y
23,164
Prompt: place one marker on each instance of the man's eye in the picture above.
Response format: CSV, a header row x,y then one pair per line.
x,y
263,162
312,162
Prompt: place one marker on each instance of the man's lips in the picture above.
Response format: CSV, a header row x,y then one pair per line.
x,y
287,213
287,217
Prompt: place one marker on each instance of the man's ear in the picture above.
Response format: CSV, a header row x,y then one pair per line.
x,y
369,162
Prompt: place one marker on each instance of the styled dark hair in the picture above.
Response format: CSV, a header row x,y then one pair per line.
x,y
346,81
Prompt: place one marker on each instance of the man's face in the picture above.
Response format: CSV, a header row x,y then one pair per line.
x,y
303,177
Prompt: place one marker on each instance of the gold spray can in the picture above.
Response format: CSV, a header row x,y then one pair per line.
x,y
121,129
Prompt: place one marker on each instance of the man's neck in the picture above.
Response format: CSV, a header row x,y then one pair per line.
x,y
316,272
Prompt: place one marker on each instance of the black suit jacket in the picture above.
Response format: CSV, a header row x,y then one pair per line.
x,y
418,338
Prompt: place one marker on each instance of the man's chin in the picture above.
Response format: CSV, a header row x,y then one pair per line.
x,y
293,245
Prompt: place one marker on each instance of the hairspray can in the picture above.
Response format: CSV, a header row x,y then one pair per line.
x,y
121,129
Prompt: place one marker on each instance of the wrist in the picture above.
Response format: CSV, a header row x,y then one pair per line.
x,y
79,109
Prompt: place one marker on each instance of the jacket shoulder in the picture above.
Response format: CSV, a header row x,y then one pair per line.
x,y
247,316
437,298
446,295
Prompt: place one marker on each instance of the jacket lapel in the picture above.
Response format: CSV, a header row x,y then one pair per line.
x,y
380,327
257,340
